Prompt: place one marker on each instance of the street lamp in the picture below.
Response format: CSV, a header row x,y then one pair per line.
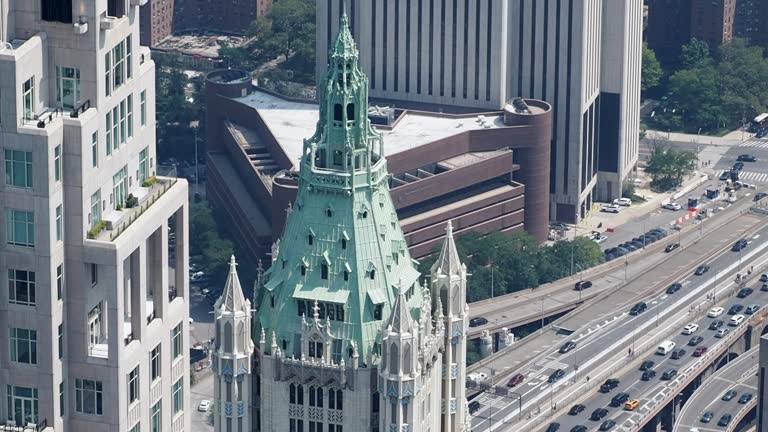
x,y
580,277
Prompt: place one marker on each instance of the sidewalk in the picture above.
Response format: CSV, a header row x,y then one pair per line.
x,y
731,139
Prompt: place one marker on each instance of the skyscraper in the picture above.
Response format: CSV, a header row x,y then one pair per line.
x,y
93,243
581,56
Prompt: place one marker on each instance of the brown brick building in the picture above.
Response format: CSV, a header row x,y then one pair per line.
x,y
222,16
751,21
672,23
156,21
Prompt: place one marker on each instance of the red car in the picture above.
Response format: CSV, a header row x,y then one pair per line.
x,y
700,351
515,380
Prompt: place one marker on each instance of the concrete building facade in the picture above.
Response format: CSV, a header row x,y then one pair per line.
x,y
156,21
450,55
93,245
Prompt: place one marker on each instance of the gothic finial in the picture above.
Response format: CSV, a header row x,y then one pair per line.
x,y
262,337
274,341
316,311
355,354
449,229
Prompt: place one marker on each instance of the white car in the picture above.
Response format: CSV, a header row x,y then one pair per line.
x,y
715,312
610,208
736,320
625,202
600,239
690,328
204,406
673,206
477,377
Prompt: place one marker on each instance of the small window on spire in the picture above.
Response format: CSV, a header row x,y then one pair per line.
x,y
329,212
346,275
377,309
373,274
337,113
310,239
303,272
350,112
343,243
324,271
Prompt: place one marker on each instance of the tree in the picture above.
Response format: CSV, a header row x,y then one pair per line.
x,y
697,97
667,167
288,29
694,54
652,71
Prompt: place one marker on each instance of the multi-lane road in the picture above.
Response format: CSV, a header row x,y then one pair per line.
x,y
610,334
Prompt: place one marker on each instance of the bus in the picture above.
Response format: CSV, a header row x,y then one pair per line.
x,y
759,122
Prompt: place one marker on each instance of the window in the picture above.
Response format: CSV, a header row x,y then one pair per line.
x,y
176,341
94,274
23,346
67,87
62,411
156,421
28,98
96,207
315,349
94,326
143,165
115,127
296,394
377,311
59,281
324,271
315,396
22,404
21,287
109,133
57,163
58,223
154,364
61,340
18,168
88,396
123,125
108,73
136,428
20,227
128,51
119,188
310,239
315,426
56,10
178,396
346,275
296,425
334,428
118,65
335,399
95,149
143,107
129,109
133,385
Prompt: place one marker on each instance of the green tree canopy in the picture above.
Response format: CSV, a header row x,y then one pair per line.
x,y
652,71
668,167
694,54
288,29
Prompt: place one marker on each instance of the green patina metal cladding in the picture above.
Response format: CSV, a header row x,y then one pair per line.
x,y
343,220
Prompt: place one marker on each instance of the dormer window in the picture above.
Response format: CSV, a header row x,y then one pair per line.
x,y
377,311
310,239
346,275
303,270
350,112
324,271
372,273
338,113
329,212
343,243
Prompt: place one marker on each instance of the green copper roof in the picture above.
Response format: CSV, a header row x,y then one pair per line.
x,y
342,244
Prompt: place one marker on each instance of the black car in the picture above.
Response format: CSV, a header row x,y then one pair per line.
x,y
567,347
759,196
648,375
738,166
675,287
724,420
695,340
678,354
725,175
745,397
701,270
598,414
576,409
607,425
610,257
746,158
739,245
630,247
669,374
637,244
707,416
582,285
608,385
648,364
553,427
660,231
579,428
730,394
477,321
556,375
735,309
672,246
638,308
619,399
474,406
716,324
744,292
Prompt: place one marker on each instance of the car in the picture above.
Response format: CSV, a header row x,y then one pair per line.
x,y
695,340
637,244
715,312
764,277
631,404
673,206
671,247
560,226
619,399
598,414
579,428
621,251
739,245
600,239
477,377
752,309
638,308
700,351
738,166
556,375
576,409
660,231
515,380
610,257
716,324
746,158
675,287
630,246
678,354
725,175
745,397
700,270
736,308
759,196
607,425
647,375
730,394
720,333
624,202
582,285
610,208
608,385
724,420
477,322
195,267
690,328
204,405
648,364
707,416
474,406
669,374
553,427
764,287
568,346
744,292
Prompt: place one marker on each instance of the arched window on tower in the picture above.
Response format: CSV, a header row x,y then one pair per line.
x,y
292,393
350,112
343,243
407,359
310,239
240,337
300,394
394,360
228,337
324,271
338,113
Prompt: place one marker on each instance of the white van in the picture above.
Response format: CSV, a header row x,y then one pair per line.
x,y
737,319
665,347
715,312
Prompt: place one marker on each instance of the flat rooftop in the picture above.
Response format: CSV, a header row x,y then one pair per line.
x,y
292,122
206,45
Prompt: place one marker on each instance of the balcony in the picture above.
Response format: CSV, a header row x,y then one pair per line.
x,y
42,427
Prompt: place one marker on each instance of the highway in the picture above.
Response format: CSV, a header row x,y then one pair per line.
x,y
613,333
740,375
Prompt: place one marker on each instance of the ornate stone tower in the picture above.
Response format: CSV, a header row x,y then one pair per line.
x,y
232,358
449,287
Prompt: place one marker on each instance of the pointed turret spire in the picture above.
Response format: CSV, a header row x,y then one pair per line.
x,y
345,46
400,321
448,261
232,298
